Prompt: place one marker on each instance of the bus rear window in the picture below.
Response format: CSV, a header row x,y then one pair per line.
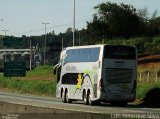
x,y
119,52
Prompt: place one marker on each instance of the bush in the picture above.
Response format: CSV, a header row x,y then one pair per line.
x,y
152,98
144,45
143,88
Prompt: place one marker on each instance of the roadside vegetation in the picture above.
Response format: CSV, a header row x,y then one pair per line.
x,y
28,84
144,88
42,86
40,73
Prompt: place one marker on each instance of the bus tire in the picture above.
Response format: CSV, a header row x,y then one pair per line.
x,y
90,102
64,97
67,99
85,98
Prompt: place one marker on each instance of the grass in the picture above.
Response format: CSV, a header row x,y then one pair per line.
x,y
143,88
147,82
40,73
40,87
43,85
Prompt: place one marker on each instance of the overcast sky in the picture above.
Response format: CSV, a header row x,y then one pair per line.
x,y
25,17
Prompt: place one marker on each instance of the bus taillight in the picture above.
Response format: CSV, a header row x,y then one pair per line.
x,y
101,86
134,86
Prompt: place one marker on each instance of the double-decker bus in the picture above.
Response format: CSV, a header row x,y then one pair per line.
x,y
97,73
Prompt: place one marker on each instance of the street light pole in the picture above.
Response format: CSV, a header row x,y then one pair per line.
x,y
5,32
73,22
30,62
79,38
62,43
1,19
45,23
5,36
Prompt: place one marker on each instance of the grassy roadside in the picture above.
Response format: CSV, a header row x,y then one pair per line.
x,y
48,87
40,73
45,87
29,86
38,81
144,88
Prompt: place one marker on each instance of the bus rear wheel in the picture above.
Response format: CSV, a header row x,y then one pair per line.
x,y
67,99
90,102
85,98
64,99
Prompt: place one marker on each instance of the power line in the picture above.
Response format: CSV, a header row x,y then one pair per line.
x,y
51,27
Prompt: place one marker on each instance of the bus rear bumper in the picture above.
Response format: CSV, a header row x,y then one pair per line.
x,y
117,97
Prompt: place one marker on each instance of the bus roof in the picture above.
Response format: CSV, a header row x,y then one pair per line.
x,y
85,46
92,46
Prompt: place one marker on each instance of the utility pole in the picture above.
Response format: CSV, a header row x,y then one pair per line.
x,y
45,23
30,63
74,22
79,38
5,33
1,19
62,43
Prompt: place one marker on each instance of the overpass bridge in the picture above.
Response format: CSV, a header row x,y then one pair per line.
x,y
18,55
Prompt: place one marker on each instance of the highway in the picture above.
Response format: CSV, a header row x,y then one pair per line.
x,y
52,102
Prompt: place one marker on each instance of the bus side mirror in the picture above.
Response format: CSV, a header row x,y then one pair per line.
x,y
55,71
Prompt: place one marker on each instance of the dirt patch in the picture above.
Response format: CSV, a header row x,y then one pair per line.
x,y
151,61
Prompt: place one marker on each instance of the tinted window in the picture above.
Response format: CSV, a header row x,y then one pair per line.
x,y
70,78
82,55
120,52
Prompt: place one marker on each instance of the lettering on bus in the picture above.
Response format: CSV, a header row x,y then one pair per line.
x,y
119,63
70,68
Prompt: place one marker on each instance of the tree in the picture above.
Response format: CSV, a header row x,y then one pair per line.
x,y
69,30
113,20
154,26
143,14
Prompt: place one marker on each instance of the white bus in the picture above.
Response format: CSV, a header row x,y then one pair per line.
x,y
97,73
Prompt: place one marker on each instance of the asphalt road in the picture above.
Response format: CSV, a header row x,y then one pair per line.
x,y
52,102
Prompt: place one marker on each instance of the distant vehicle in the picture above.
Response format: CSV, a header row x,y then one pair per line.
x,y
97,73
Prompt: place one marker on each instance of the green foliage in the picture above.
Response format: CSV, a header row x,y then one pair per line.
x,y
143,88
47,87
29,86
144,45
115,20
41,71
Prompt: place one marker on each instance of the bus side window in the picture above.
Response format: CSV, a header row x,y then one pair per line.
x,y
66,58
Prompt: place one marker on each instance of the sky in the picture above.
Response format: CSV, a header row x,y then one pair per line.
x,y
25,17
